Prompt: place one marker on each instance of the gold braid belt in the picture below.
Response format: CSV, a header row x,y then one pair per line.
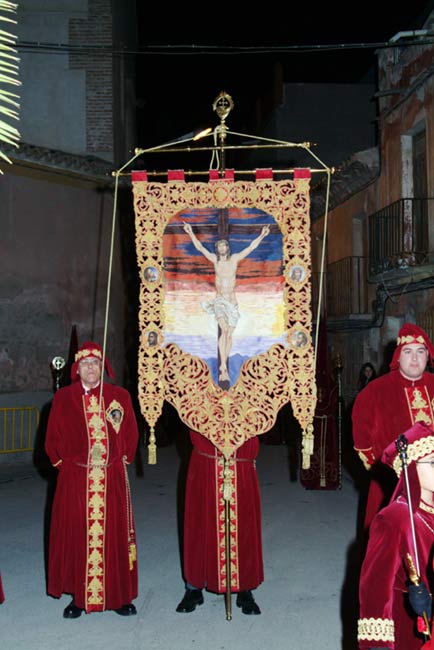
x,y
217,456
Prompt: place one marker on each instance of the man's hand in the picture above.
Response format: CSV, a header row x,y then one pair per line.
x,y
265,231
187,228
367,457
420,599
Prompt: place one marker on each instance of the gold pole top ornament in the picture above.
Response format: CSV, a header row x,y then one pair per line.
x,y
223,104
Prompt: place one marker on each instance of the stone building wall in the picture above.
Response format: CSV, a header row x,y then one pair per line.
x,y
55,250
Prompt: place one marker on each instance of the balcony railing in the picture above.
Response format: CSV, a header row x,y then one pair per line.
x,y
399,235
347,289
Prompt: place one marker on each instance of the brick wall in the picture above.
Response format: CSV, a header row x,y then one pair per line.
x,y
96,30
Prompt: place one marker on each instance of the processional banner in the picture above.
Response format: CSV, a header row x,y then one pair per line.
x,y
225,304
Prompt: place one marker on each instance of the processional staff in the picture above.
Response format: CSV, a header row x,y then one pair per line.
x,y
223,106
57,366
227,495
418,594
339,368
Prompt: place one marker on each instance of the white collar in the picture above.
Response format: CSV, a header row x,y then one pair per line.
x,y
88,389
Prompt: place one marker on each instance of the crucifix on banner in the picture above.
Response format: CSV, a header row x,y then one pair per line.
x,y
224,307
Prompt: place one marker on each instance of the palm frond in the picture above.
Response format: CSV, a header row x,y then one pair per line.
x,y
10,7
9,69
8,48
9,139
6,37
6,5
4,78
9,112
7,99
4,157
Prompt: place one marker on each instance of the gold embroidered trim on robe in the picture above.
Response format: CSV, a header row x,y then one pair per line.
x,y
376,629
420,409
115,414
132,548
222,490
419,405
367,457
417,449
96,503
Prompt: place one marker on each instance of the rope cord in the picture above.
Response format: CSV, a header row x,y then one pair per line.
x,y
321,274
110,267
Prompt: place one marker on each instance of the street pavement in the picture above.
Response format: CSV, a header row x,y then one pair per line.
x,y
311,558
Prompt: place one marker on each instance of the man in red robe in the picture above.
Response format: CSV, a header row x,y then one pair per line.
x,y
91,438
204,525
399,553
389,406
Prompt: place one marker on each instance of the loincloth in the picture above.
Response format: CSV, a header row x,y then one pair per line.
x,y
222,308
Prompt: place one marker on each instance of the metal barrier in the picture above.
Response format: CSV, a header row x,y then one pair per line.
x,y
18,426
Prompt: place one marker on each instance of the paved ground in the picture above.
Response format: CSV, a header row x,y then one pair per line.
x,y
307,598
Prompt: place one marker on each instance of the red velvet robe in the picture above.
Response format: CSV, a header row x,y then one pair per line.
x,y
386,619
324,470
204,559
380,414
67,441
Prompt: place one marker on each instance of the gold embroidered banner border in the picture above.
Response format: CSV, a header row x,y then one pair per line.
x,y
267,381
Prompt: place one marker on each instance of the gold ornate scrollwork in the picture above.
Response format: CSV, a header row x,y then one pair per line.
x,y
267,381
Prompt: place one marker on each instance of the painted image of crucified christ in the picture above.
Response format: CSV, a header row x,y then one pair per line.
x,y
224,307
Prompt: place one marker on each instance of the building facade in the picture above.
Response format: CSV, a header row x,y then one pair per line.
x,y
77,125
378,270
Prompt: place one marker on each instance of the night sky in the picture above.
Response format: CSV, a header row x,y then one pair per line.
x,y
177,83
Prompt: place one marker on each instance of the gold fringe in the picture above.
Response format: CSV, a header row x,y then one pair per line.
x,y
307,446
152,454
132,554
152,448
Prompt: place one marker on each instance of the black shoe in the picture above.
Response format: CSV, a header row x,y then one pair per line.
x,y
126,610
192,598
247,603
72,611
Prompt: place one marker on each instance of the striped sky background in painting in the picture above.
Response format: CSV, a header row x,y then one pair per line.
x,y
189,281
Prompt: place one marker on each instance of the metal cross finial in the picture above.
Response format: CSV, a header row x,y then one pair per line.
x,y
223,104
57,365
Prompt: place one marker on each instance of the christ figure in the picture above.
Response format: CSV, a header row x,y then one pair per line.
x,y
224,307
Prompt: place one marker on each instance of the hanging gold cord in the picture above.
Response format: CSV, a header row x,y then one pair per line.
x,y
322,266
109,277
